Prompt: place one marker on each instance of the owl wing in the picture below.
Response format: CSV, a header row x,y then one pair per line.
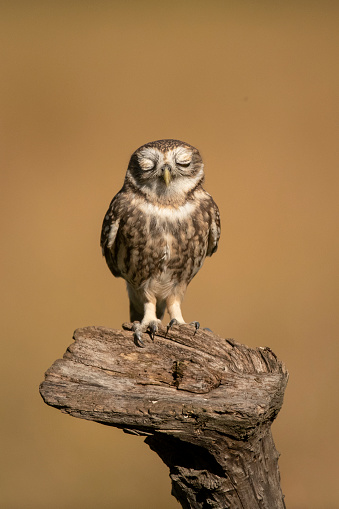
x,y
214,233
110,227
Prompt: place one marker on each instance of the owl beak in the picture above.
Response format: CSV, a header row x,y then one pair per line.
x,y
166,174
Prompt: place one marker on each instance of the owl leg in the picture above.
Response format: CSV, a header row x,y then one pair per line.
x,y
174,310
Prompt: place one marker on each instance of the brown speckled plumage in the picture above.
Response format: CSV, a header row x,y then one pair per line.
x,y
156,235
165,145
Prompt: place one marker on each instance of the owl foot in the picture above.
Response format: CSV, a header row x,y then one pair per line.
x,y
174,321
140,328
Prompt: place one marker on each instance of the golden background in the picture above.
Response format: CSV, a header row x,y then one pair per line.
x,y
255,87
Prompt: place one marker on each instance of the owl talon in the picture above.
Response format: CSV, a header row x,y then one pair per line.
x,y
153,327
137,339
196,325
138,334
174,321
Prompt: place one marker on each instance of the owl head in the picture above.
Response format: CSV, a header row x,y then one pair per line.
x,y
165,169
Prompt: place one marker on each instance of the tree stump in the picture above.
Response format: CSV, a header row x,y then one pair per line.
x,y
204,403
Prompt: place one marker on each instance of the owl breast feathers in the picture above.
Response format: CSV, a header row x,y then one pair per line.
x,y
158,230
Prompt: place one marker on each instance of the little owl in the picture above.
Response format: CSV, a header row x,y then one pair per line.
x,y
158,230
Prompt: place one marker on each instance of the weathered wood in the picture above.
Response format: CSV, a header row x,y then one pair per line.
x,y
206,405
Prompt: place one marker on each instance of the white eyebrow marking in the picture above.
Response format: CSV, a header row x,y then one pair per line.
x,y
183,155
147,153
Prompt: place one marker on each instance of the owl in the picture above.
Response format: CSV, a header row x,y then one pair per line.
x,y
158,230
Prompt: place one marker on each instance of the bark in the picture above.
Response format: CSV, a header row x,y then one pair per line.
x,y
206,405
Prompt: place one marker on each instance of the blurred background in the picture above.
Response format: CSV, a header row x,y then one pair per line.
x,y
253,85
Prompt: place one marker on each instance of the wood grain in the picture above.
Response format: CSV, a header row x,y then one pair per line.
x,y
205,403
